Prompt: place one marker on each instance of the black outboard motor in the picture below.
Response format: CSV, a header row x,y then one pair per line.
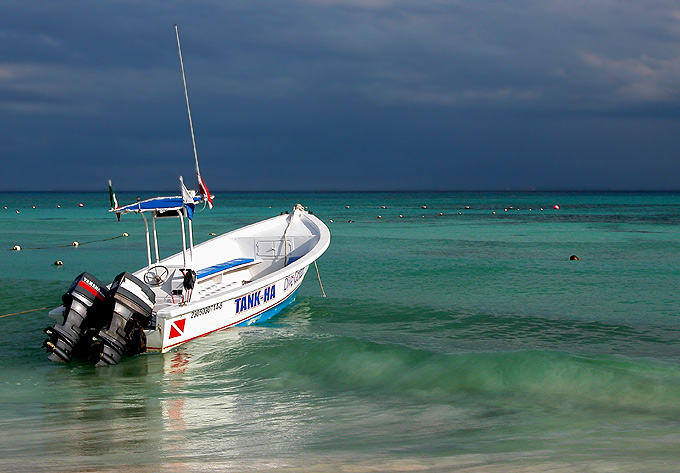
x,y
84,314
132,307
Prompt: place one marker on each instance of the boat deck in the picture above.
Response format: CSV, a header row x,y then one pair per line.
x,y
210,281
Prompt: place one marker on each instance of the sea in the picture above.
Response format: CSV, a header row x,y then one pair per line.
x,y
456,334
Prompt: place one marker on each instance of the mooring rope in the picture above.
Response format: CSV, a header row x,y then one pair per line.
x,y
74,244
23,312
318,276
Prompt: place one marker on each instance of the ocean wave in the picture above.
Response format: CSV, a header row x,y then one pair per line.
x,y
322,362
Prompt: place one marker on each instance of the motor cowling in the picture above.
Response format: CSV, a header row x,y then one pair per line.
x,y
133,303
84,314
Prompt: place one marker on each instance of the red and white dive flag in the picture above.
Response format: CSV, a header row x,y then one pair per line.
x,y
203,189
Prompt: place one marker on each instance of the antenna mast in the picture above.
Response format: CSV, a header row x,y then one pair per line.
x,y
186,96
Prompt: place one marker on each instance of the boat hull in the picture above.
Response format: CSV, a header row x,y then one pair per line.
x,y
243,308
264,265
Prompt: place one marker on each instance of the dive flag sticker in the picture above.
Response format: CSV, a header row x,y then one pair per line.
x,y
177,328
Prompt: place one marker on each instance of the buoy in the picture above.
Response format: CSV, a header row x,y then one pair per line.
x,y
59,263
16,248
75,243
556,207
81,205
125,234
573,258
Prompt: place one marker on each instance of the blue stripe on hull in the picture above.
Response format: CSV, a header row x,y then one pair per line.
x,y
269,313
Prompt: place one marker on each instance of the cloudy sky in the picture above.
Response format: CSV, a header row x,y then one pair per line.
x,y
341,95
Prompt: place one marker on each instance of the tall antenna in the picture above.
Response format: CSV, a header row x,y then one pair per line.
x,y
201,184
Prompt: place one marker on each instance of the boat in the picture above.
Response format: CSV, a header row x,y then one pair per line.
x,y
235,279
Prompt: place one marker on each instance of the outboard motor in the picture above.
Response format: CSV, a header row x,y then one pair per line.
x,y
84,314
132,308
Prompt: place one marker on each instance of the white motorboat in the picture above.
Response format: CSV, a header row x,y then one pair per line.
x,y
235,279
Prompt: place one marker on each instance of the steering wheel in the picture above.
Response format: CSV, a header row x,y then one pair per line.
x,y
156,275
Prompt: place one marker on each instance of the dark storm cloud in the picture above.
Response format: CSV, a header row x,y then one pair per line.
x,y
314,95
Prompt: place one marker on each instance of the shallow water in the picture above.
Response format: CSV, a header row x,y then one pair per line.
x,y
465,341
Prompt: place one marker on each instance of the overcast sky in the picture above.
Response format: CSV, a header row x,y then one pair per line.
x,y
341,95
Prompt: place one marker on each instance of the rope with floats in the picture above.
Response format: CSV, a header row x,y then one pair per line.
x,y
23,312
74,244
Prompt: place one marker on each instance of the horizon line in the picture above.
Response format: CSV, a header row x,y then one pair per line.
x,y
381,191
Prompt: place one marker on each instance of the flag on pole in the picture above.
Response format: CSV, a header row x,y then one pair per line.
x,y
187,200
203,189
114,201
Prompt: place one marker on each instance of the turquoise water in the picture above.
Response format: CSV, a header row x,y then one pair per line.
x,y
465,341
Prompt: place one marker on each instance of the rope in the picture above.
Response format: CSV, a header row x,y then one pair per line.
x,y
23,312
67,246
318,276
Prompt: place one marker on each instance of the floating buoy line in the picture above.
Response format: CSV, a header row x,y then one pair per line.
x,y
442,214
75,244
23,312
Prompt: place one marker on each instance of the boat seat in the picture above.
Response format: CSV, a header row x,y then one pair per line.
x,y
237,263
